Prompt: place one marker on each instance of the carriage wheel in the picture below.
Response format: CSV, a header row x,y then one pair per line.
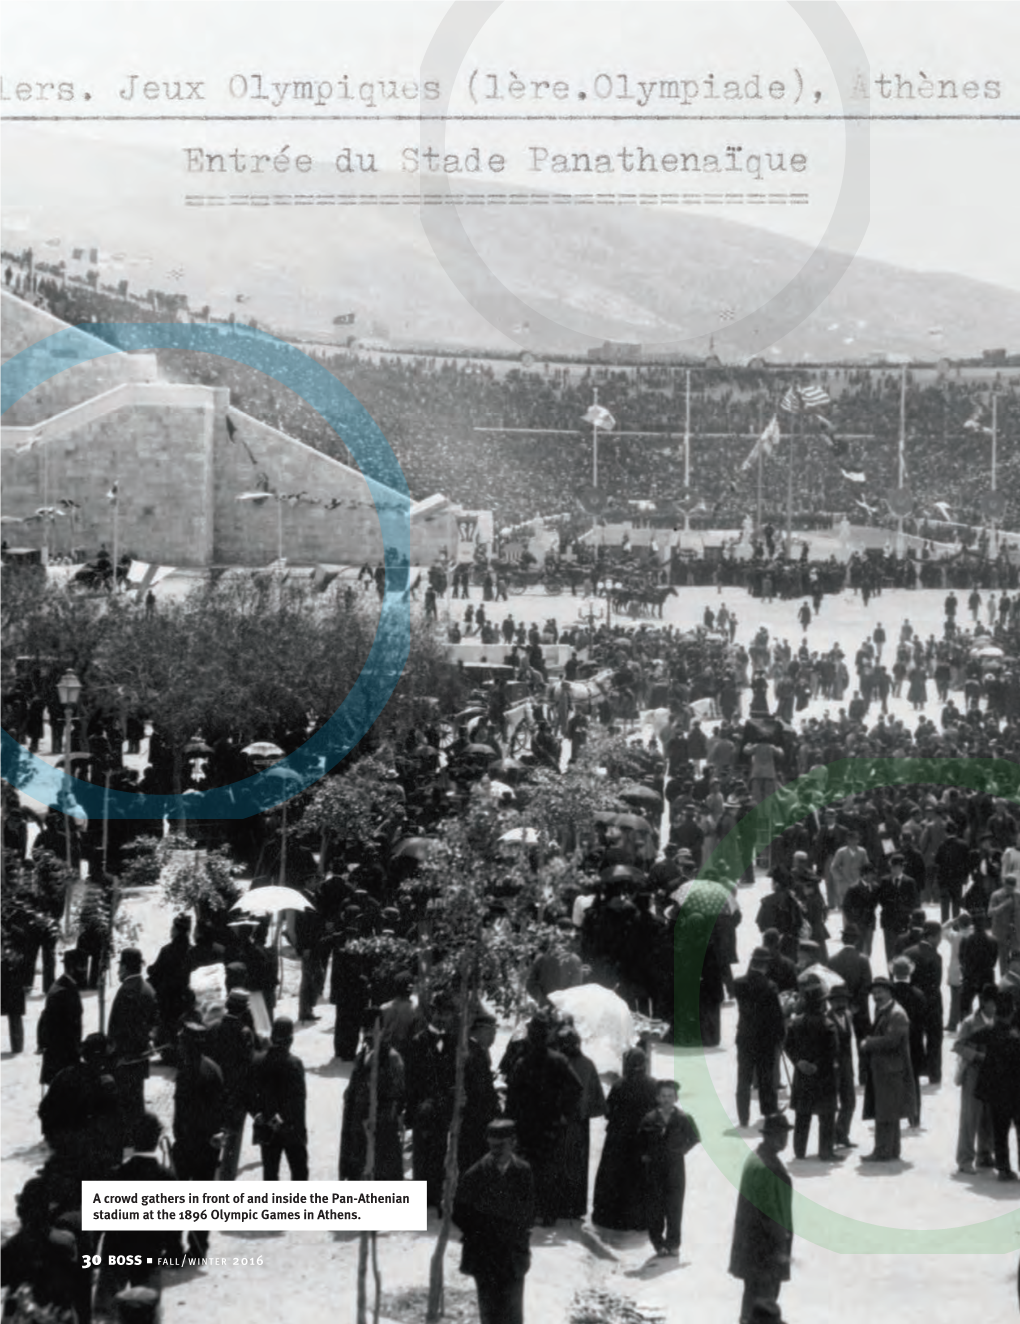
x,y
553,586
517,588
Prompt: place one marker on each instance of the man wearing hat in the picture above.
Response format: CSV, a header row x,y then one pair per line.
x,y
763,1228
889,1092
854,969
841,1018
198,1114
927,979
278,1102
133,1017
58,1033
231,1045
170,977
812,1043
898,897
975,1138
911,999
688,834
761,1029
495,1210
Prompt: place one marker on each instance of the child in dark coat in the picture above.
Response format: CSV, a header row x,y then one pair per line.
x,y
666,1135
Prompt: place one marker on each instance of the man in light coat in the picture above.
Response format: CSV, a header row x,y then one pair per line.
x,y
974,1138
889,1092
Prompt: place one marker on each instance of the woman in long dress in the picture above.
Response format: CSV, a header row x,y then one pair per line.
x,y
577,1136
619,1202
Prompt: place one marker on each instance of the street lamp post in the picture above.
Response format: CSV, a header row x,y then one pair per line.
x,y
68,691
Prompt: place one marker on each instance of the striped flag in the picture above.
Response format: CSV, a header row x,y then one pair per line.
x,y
797,399
765,445
599,417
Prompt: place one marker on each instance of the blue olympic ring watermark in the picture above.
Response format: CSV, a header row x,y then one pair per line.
x,y
388,488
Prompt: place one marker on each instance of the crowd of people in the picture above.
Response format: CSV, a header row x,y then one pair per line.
x,y
429,410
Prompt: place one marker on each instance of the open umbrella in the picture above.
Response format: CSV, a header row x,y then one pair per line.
x,y
414,848
479,751
468,713
632,822
508,769
987,650
271,900
642,796
525,836
500,791
263,749
622,873
424,752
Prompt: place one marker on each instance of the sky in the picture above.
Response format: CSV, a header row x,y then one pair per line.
x,y
943,193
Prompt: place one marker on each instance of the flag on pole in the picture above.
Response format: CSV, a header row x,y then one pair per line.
x,y
765,445
113,492
796,399
853,477
600,417
944,510
974,424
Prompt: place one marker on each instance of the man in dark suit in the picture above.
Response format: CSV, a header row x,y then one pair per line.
x,y
198,1115
911,999
897,897
859,905
854,969
58,1034
278,1090
148,1247
760,1033
952,869
840,1015
170,976
231,1045
780,969
978,954
927,979
133,1018
495,1210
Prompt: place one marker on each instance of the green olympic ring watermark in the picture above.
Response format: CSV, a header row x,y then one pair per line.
x,y
812,1221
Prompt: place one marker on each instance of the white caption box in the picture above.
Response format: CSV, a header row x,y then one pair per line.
x,y
359,1206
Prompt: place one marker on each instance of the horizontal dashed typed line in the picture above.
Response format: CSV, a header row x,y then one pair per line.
x,y
491,199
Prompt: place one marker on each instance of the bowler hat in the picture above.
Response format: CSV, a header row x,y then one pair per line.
x,y
776,1122
503,1128
880,981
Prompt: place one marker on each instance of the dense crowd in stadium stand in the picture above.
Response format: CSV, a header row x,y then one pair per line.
x,y
430,409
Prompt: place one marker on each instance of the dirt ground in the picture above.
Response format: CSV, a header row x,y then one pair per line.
x,y
309,1276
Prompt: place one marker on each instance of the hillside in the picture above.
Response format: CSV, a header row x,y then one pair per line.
x,y
663,278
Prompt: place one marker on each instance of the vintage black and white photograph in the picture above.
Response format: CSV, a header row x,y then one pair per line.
x,y
511,660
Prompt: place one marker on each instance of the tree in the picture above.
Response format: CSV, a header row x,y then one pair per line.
x,y
484,921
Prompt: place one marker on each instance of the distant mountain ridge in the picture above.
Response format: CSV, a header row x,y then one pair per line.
x,y
668,280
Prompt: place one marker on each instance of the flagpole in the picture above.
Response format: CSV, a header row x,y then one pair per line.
x,y
595,443
46,502
789,487
687,434
902,458
116,528
993,542
761,468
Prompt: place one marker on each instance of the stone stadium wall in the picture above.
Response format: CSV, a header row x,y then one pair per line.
x,y
180,468
25,325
